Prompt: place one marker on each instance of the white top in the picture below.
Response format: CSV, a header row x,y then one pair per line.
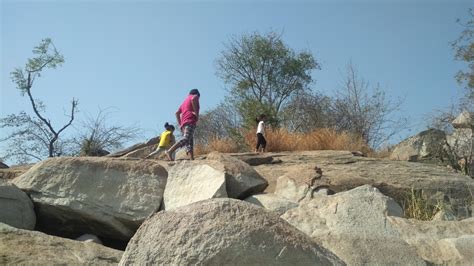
x,y
261,128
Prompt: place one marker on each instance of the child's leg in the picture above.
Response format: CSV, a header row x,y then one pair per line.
x,y
259,142
157,151
180,143
190,144
264,143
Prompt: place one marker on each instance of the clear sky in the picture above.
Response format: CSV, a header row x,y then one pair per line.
x,y
143,57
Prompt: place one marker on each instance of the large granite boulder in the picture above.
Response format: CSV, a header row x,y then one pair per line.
x,y
272,202
461,141
222,232
343,171
107,197
139,150
191,181
427,144
353,225
439,242
463,120
215,176
241,179
23,247
141,153
299,183
16,208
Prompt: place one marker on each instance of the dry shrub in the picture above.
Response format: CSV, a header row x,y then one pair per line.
x,y
415,206
283,140
319,139
383,152
329,139
380,154
277,140
216,144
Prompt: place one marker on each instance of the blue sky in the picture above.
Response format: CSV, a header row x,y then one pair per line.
x,y
142,57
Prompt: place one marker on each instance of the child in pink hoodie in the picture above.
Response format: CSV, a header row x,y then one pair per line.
x,y
187,116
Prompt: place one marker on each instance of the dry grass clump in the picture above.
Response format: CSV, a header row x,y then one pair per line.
x,y
417,207
283,140
383,152
319,139
216,144
328,139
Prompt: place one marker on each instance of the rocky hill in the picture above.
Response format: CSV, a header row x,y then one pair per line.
x,y
305,208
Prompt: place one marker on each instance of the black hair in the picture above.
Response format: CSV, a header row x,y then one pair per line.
x,y
195,92
260,118
169,127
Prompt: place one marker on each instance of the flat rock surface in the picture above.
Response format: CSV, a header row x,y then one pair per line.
x,y
343,171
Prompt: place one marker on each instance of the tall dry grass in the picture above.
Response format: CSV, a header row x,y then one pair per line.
x,y
216,144
282,140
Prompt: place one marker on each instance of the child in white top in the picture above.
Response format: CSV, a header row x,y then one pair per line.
x,y
261,141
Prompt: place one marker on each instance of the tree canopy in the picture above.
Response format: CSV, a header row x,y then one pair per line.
x,y
264,73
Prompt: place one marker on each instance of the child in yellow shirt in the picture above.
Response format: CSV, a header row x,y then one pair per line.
x,y
166,140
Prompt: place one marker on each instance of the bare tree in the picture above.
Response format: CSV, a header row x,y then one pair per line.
x,y
458,150
220,122
464,51
38,131
366,112
30,139
308,111
96,137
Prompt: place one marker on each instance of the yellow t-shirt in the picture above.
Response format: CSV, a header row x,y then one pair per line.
x,y
165,139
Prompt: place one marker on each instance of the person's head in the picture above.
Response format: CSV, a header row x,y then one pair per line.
x,y
195,92
169,127
261,118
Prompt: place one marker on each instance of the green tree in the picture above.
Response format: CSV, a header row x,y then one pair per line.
x,y
464,51
263,74
35,137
